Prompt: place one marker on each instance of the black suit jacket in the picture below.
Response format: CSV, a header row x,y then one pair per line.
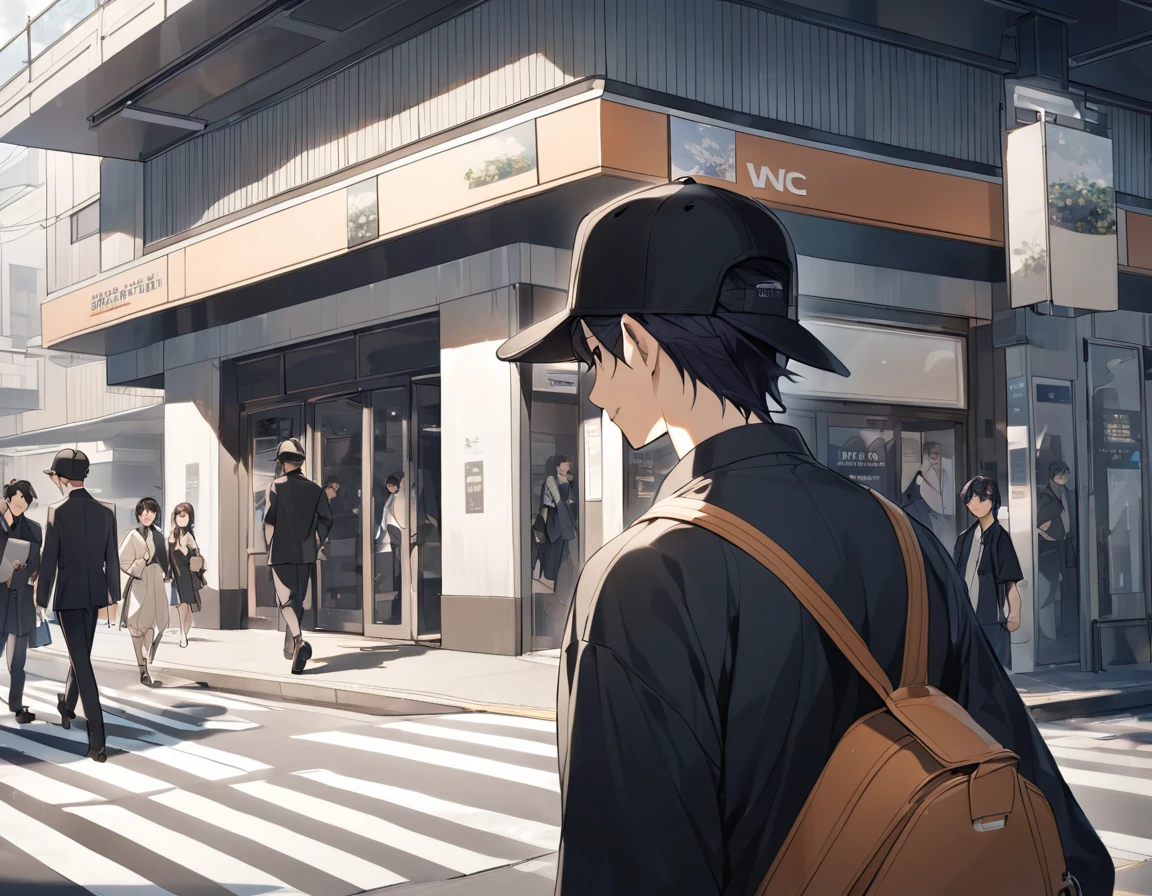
x,y
29,531
81,555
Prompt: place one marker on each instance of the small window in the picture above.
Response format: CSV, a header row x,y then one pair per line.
x,y
262,378
408,346
320,365
86,222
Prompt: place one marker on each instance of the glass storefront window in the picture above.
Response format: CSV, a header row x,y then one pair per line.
x,y
644,474
427,505
929,490
339,431
554,548
864,451
389,507
1057,588
1115,383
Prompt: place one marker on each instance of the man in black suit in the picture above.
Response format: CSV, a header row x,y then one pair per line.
x,y
82,559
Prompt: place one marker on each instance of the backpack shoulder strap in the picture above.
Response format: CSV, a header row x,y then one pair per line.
x,y
914,669
815,599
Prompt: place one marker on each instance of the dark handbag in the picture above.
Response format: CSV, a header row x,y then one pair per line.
x,y
913,503
41,635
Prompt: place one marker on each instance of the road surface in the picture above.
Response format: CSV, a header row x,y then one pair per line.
x,y
206,793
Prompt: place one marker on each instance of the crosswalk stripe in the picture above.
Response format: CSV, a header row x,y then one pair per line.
x,y
334,862
224,757
515,744
545,836
108,773
167,707
48,712
224,870
41,787
1101,758
481,718
95,873
447,855
160,739
198,766
188,763
1135,846
1107,781
204,725
443,758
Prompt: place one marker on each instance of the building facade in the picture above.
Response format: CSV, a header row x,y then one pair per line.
x,y
331,247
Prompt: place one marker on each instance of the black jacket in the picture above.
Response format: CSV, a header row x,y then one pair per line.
x,y
22,600
300,517
699,701
999,567
81,554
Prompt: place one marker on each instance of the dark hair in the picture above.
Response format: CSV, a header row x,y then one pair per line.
x,y
1058,467
561,459
725,352
333,479
23,486
183,507
147,504
928,446
393,480
984,488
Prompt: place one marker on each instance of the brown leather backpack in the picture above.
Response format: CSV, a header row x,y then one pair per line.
x,y
916,798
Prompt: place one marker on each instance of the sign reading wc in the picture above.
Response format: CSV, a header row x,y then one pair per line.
x,y
781,179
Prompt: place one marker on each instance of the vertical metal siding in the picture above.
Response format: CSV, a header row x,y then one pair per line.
x,y
502,52
1132,149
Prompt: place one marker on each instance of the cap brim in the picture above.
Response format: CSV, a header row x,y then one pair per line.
x,y
548,341
796,341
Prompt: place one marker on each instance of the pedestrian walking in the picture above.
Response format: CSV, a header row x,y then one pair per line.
x,y
185,567
81,562
144,559
296,527
770,682
19,614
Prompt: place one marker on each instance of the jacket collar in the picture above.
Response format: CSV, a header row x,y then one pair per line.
x,y
730,447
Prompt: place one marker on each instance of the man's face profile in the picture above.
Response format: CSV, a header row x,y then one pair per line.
x,y
628,389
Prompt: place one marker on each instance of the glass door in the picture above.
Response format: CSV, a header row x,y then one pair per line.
x,y
387,609
266,430
426,556
1115,381
863,449
1057,534
929,476
338,427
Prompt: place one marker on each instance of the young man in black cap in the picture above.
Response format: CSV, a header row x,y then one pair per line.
x,y
296,525
82,559
699,700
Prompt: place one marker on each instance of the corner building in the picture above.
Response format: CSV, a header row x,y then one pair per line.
x,y
329,241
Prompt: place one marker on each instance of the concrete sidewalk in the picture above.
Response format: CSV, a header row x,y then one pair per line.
x,y
345,671
351,672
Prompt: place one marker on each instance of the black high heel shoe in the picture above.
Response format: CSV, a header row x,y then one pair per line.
x,y
98,755
66,715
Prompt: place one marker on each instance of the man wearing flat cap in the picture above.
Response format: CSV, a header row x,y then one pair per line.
x,y
82,560
699,699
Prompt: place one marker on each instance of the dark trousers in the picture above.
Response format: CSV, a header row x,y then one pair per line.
x,y
16,647
293,582
79,630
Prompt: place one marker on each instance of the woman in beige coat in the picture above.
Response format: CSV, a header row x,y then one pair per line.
x,y
144,558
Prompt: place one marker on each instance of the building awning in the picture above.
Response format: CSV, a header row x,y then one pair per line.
x,y
147,421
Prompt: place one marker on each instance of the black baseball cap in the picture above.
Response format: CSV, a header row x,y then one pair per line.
x,y
679,248
69,464
290,450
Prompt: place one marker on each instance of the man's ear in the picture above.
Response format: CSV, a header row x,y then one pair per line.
x,y
639,346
